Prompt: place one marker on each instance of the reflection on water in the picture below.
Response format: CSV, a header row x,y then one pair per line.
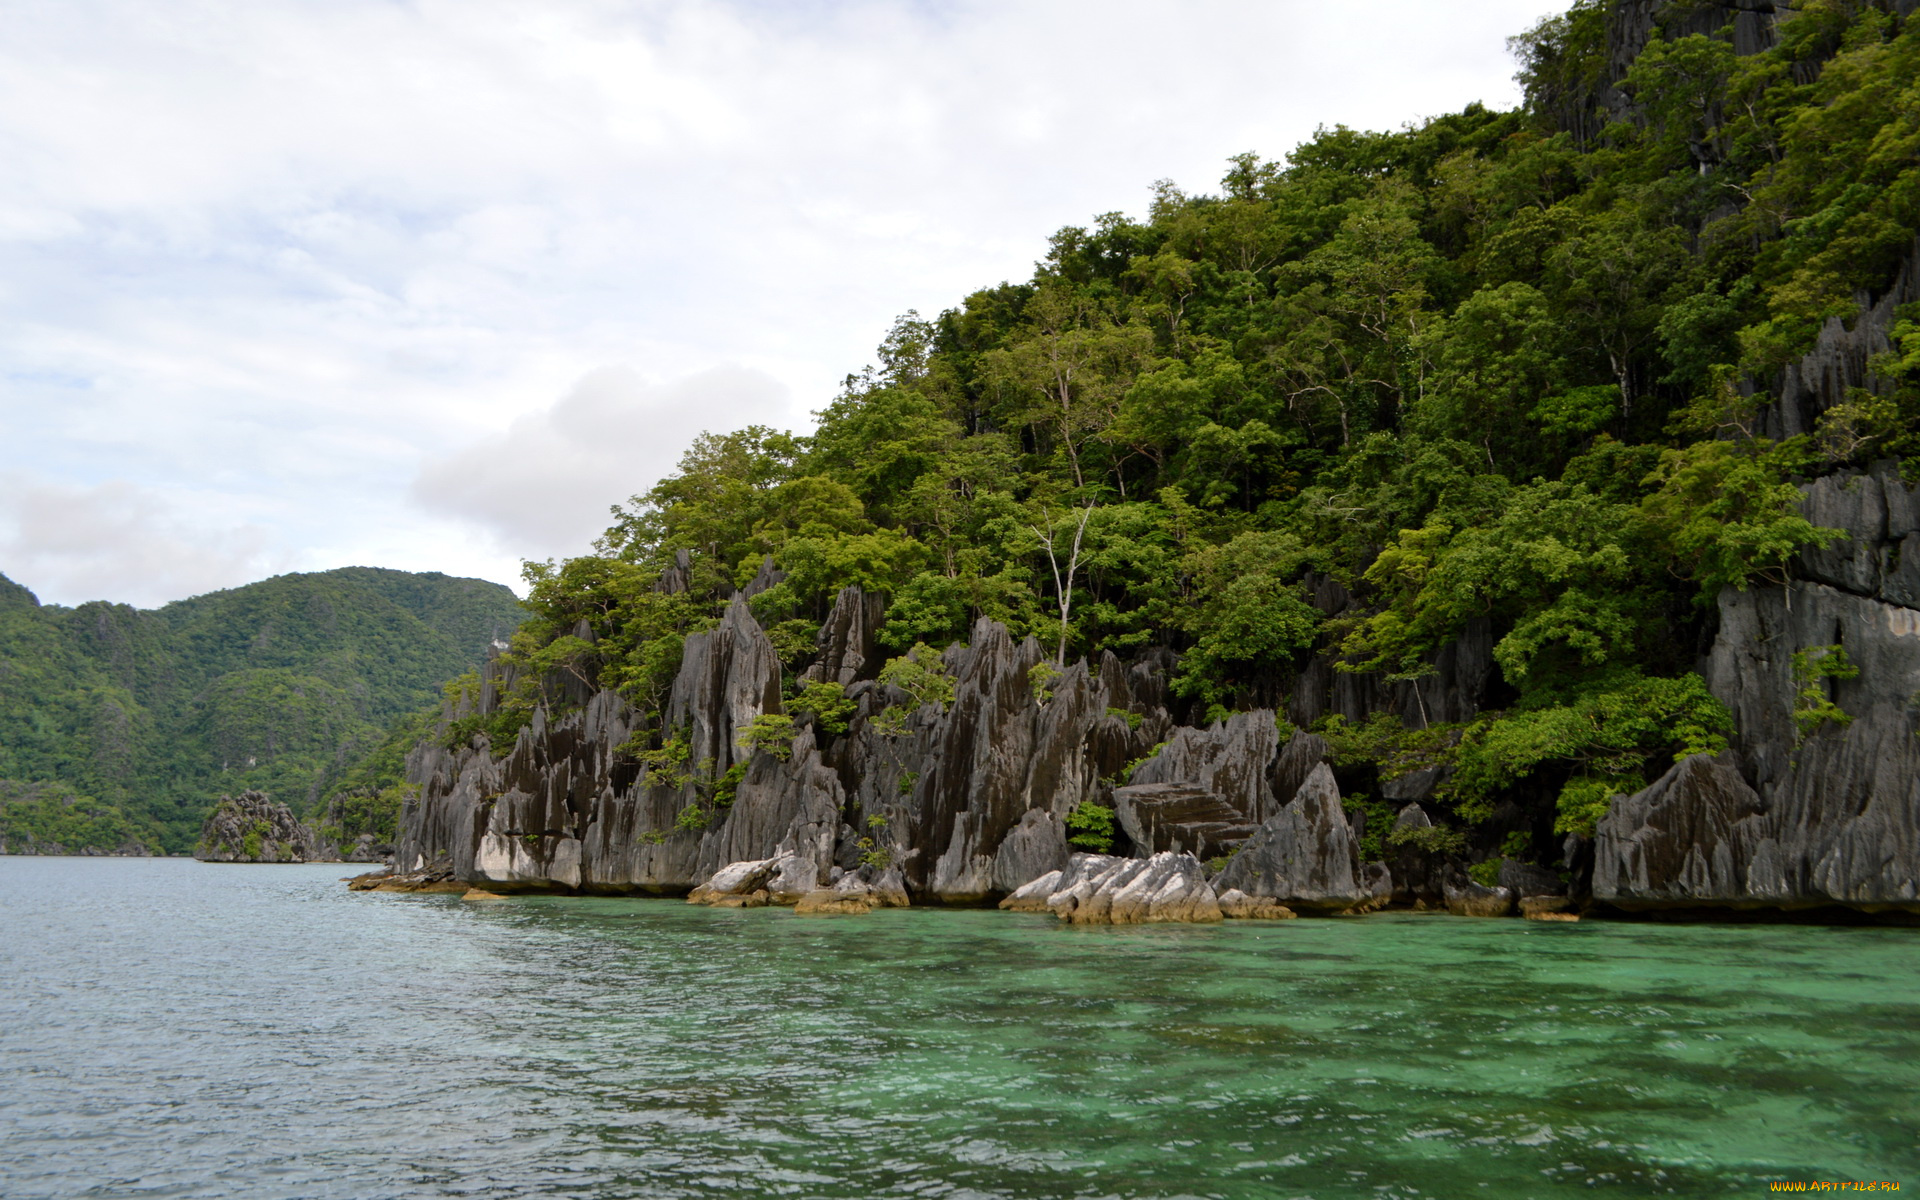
x,y
169,1028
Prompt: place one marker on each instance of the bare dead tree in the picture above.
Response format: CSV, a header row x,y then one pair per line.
x,y
1063,583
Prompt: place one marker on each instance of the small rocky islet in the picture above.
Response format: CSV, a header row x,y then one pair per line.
x,y
255,828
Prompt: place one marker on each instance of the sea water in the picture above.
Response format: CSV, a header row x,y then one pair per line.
x,y
172,1028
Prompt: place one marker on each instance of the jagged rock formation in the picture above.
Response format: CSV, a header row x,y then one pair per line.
x,y
1801,811
1304,855
1228,760
254,828
1037,845
960,803
849,650
1236,905
951,789
1839,360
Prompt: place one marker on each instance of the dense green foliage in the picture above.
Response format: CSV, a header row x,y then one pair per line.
x,y
1091,827
283,685
368,796
48,819
1497,367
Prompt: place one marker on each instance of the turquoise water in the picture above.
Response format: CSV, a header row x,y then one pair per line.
x,y
169,1028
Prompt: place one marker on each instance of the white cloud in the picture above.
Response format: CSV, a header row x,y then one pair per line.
x,y
550,479
71,544
271,260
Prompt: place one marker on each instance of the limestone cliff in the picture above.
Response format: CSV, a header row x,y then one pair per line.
x,y
962,802
1811,806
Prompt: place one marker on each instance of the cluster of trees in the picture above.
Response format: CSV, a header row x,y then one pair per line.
x,y
282,686
48,819
1500,365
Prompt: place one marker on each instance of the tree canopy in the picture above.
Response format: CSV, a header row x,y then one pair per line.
x,y
1493,367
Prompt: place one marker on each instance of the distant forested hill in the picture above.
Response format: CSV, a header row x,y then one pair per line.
x,y
281,685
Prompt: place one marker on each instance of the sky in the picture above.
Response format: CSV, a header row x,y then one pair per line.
x,y
431,284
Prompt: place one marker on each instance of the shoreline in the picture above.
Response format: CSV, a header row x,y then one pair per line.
x,y
1826,915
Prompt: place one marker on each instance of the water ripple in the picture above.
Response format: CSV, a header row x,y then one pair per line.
x,y
171,1029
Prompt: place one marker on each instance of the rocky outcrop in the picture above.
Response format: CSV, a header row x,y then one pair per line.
x,y
1878,556
963,802
1687,839
1229,759
954,784
1236,905
254,828
834,902
1840,359
1037,845
727,677
1180,817
967,800
1296,761
1420,874
366,849
1099,889
1304,856
736,879
1526,880
792,805
1547,908
1470,899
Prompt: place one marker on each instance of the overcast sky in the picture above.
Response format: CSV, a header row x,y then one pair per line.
x,y
430,285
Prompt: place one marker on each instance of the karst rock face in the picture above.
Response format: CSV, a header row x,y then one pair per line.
x,y
962,803
254,828
970,801
1802,813
1799,812
1305,854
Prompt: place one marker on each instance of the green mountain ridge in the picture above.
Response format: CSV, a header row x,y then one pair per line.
x,y
282,685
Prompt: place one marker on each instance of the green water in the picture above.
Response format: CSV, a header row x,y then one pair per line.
x,y
259,1031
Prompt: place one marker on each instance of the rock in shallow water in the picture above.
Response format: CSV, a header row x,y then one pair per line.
x,y
1236,905
828,902
1472,900
735,879
1032,897
1547,908
1099,889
